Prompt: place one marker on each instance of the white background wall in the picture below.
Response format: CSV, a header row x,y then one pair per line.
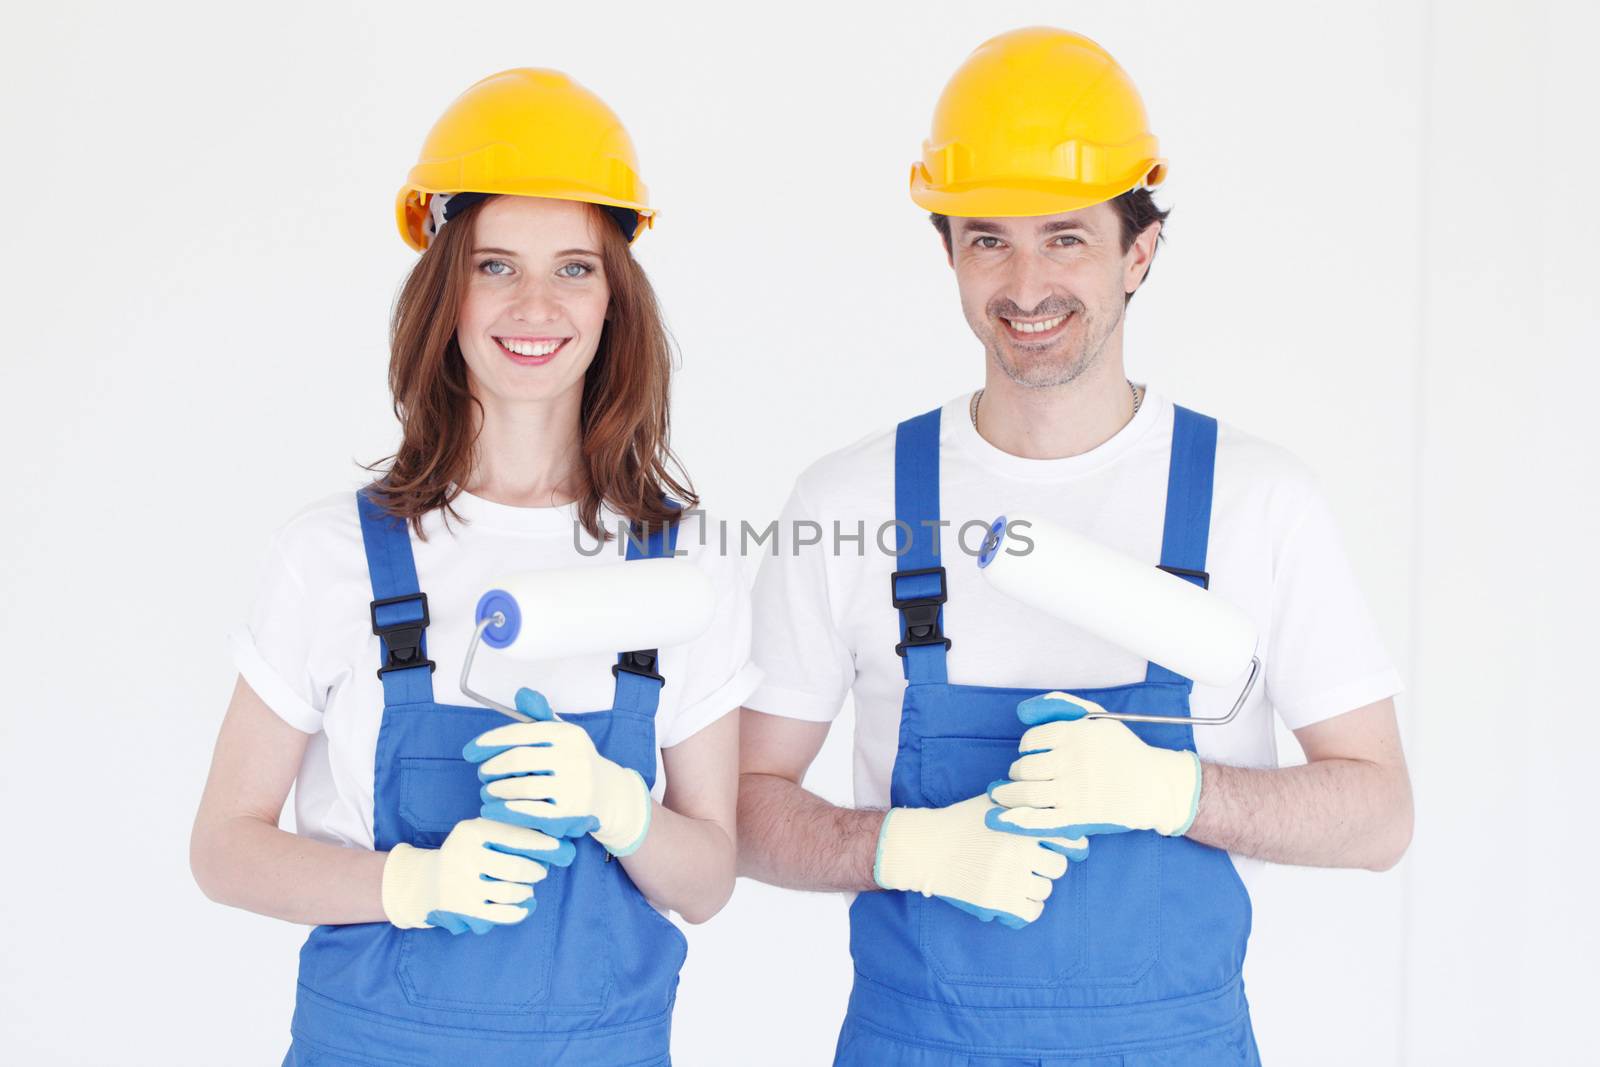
x,y
1381,257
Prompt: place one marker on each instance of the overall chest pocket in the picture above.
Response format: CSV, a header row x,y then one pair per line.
x,y
435,793
547,963
1100,926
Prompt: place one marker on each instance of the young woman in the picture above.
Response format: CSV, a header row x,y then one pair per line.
x,y
529,368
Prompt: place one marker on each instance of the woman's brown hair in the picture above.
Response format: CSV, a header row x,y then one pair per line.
x,y
623,420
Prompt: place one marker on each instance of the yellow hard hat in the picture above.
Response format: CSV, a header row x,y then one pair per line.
x,y
525,132
1035,122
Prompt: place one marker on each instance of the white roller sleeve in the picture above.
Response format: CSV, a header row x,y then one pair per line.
x,y
617,607
1128,602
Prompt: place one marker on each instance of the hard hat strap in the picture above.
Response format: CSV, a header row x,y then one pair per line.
x,y
442,207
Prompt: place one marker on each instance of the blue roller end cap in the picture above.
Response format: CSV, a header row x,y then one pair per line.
x,y
992,542
502,602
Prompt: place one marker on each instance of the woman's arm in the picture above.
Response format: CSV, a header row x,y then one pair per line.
x,y
686,862
238,854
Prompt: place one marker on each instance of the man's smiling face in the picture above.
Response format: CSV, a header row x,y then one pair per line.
x,y
1045,293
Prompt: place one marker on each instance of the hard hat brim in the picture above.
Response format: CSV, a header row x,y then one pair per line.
x,y
1019,199
409,217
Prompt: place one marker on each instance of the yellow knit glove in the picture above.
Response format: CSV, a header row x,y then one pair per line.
x,y
550,775
481,877
1092,776
949,853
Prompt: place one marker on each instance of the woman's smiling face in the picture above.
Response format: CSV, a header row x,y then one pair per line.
x,y
536,298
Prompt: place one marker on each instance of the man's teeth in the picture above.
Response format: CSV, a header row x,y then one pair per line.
x,y
1036,327
529,348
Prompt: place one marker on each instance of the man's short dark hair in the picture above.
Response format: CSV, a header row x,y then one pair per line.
x,y
1136,209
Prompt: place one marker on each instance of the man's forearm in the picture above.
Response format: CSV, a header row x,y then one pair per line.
x,y
795,839
1329,813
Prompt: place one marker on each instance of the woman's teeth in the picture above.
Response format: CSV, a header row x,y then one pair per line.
x,y
530,348
1036,327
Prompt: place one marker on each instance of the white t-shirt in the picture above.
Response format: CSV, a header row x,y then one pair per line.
x,y
824,625
310,654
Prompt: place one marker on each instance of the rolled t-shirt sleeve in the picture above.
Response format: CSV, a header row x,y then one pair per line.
x,y
807,667
1325,656
718,674
273,650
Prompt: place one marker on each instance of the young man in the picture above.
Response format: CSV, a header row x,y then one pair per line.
x,y
1116,861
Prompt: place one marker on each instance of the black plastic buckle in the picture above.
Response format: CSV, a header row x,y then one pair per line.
x,y
921,614
1204,578
402,641
641,662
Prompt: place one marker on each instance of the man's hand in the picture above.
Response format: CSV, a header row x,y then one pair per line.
x,y
949,853
1082,776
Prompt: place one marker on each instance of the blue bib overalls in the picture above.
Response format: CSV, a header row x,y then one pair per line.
x,y
587,978
1136,961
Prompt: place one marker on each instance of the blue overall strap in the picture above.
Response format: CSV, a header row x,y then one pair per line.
x,y
917,588
399,607
638,682
1188,524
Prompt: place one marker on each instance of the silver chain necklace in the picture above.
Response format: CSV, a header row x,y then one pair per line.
x,y
972,409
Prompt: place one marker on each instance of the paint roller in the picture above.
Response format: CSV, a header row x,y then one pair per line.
x,y
1149,611
575,611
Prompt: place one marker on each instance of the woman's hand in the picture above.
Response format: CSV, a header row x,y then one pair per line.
x,y
549,775
481,877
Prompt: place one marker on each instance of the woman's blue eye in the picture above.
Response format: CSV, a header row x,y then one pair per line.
x,y
566,270
487,264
